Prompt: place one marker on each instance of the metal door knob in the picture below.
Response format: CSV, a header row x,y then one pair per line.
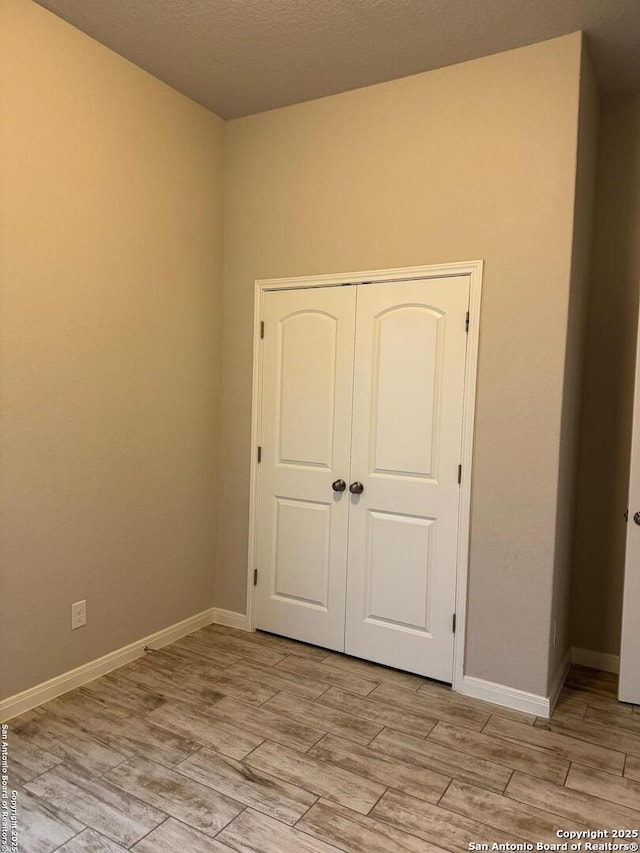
x,y
338,485
357,488
636,517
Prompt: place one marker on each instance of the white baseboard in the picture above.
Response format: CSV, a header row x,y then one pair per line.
x,y
34,696
230,618
558,684
596,660
508,697
518,700
478,688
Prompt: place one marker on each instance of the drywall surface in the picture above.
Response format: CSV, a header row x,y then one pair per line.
x,y
609,370
472,161
587,140
110,298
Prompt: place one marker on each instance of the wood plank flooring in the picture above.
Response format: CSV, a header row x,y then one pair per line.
x,y
226,741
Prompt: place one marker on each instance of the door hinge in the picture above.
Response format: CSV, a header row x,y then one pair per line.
x,y
261,328
466,322
259,453
459,474
453,623
255,577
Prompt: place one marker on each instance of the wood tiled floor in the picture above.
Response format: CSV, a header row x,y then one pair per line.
x,y
230,741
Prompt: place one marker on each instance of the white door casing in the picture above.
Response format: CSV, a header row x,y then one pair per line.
x,y
629,682
471,274
406,449
306,428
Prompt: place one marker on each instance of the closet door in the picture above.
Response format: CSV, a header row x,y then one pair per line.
x,y
306,429
406,443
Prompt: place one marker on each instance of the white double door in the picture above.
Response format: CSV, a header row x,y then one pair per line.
x,y
363,385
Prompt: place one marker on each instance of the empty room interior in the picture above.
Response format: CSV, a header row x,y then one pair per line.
x,y
319,430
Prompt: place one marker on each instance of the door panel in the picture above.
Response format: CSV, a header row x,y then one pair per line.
x,y
302,537
306,429
406,443
629,684
407,342
408,606
305,388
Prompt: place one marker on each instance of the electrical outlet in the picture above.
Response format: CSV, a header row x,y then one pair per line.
x,y
78,614
555,633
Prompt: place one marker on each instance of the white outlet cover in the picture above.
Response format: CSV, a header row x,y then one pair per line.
x,y
78,614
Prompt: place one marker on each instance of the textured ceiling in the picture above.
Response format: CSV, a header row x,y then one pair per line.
x,y
243,56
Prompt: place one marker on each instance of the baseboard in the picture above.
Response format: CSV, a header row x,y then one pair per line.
x,y
558,684
596,660
230,618
34,696
508,697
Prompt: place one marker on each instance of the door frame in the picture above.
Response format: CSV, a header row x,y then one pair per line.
x,y
472,269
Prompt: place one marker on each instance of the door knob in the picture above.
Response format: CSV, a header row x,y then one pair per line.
x,y
636,517
338,485
357,488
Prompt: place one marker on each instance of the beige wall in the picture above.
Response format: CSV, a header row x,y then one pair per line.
x,y
472,161
608,382
110,284
110,311
573,371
